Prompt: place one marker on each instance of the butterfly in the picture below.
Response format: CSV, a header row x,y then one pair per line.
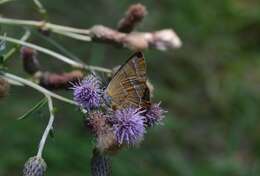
x,y
128,87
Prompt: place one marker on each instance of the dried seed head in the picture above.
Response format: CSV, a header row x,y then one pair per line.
x,y
166,39
30,62
100,164
133,16
35,166
4,87
62,80
97,123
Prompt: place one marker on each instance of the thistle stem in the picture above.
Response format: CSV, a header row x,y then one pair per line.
x,y
4,1
36,86
48,127
57,55
44,24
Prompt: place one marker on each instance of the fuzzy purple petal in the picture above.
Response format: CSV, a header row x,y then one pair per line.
x,y
154,115
88,93
128,125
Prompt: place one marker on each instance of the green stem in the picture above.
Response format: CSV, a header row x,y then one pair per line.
x,y
44,24
36,87
48,127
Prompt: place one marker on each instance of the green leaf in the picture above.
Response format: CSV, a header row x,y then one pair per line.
x,y
35,108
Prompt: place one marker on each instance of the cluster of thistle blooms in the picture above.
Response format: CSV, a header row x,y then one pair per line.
x,y
113,128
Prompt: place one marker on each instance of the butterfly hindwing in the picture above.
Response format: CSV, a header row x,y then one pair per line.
x,y
128,86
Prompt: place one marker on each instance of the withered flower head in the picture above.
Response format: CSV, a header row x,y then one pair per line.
x,y
97,122
4,87
30,62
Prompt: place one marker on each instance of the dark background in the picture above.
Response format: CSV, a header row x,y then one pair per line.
x,y
210,88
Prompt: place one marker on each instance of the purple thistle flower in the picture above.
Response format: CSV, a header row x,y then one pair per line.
x,y
88,93
154,115
128,126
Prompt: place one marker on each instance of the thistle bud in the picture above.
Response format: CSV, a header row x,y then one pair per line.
x,y
30,62
4,87
100,164
35,166
133,16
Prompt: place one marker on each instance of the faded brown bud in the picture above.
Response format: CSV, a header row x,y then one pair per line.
x,y
102,33
44,31
30,62
162,40
35,166
165,39
100,164
133,16
135,41
97,123
4,87
57,81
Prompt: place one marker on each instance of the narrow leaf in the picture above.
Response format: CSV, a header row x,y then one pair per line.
x,y
35,108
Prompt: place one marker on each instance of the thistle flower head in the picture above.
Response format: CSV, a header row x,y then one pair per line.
x,y
35,166
128,126
154,115
96,122
88,93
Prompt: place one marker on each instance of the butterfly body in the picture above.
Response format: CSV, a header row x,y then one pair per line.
x,y
128,86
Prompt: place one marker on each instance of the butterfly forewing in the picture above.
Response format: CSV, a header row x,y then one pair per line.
x,y
128,86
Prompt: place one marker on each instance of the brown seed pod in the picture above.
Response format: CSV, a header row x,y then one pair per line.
x,y
30,62
133,16
97,123
4,87
62,80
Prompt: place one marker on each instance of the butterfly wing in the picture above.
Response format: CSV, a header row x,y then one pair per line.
x,y
128,86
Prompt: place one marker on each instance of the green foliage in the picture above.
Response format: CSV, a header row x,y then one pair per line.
x,y
210,87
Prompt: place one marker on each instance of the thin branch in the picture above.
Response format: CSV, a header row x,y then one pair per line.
x,y
5,1
43,24
57,55
73,35
36,86
48,127
162,40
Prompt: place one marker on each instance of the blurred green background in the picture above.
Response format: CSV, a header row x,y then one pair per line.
x,y
210,88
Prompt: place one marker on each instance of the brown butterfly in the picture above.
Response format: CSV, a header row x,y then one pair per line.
x,y
128,87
